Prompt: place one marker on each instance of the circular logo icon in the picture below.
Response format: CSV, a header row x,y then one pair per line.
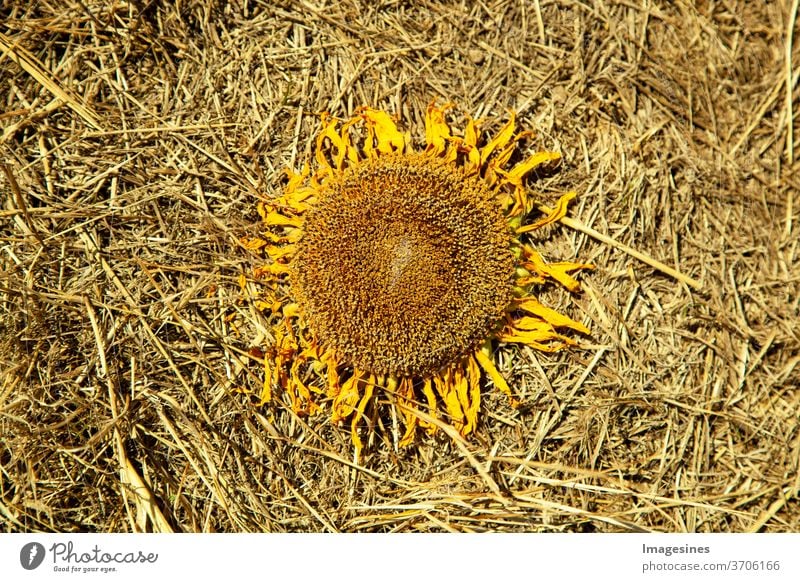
x,y
31,555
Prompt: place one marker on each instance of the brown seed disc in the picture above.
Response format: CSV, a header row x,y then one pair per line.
x,y
404,265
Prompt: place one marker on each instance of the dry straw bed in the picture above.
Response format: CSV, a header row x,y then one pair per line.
x,y
137,140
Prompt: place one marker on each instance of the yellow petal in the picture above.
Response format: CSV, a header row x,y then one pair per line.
x,y
430,397
339,142
461,384
275,218
470,145
529,280
298,200
295,180
446,387
557,271
383,130
368,388
532,324
345,400
299,393
519,171
267,306
559,212
291,310
473,374
501,158
405,395
499,141
334,387
278,252
471,133
437,132
258,272
498,380
553,317
542,340
252,244
279,269
408,437
519,207
352,151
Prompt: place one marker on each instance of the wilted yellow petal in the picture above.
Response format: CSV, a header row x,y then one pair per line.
x,y
259,272
430,397
446,387
290,236
437,132
408,436
333,382
294,400
541,340
345,401
275,218
519,171
252,244
471,134
383,130
291,310
462,387
473,375
501,158
279,268
298,200
339,142
558,271
499,141
553,317
299,393
296,179
461,384
559,212
498,380
261,208
472,165
405,395
532,324
368,388
277,252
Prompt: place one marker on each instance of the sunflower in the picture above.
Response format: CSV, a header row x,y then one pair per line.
x,y
395,270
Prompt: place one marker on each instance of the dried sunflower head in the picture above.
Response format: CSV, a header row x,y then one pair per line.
x,y
395,269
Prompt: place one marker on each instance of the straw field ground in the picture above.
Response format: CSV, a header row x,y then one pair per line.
x,y
136,138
